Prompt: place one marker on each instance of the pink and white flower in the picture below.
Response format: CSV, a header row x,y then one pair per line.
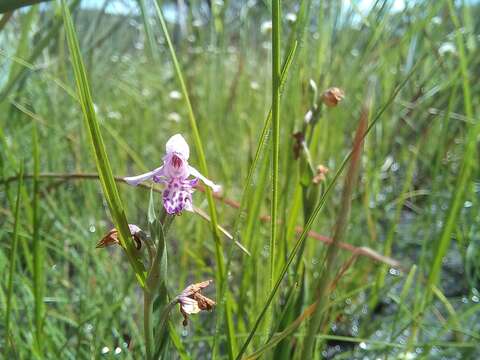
x,y
174,174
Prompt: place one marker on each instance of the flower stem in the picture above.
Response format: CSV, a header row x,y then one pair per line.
x,y
147,324
220,272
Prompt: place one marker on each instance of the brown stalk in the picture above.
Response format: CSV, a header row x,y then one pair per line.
x,y
362,251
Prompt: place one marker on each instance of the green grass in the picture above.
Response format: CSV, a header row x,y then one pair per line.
x,y
12,259
109,186
88,97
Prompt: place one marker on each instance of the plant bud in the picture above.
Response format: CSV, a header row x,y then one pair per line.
x,y
332,96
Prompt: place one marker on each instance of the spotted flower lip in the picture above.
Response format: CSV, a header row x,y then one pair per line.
x,y
192,301
111,238
175,173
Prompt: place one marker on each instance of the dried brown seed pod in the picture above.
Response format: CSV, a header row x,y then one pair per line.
x,y
298,144
332,96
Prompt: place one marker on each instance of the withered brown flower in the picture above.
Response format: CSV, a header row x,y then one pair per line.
x,y
192,301
111,238
298,144
332,96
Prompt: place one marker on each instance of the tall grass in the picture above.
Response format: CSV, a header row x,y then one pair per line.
x,y
100,154
394,280
37,249
12,262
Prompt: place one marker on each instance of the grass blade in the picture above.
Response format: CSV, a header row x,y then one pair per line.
x,y
276,132
38,275
467,163
101,158
151,47
263,140
23,42
403,296
13,255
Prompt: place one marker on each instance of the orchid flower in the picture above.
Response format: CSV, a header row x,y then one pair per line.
x,y
192,301
175,173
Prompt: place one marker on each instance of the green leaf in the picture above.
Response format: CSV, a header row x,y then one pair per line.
x,y
152,218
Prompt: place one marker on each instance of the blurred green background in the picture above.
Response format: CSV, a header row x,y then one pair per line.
x,y
415,64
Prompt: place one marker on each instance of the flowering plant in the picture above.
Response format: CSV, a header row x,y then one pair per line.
x,y
174,174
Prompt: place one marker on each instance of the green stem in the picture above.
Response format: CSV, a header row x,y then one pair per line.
x,y
13,255
275,130
275,126
37,250
147,324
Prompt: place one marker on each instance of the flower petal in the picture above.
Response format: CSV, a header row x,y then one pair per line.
x,y
177,144
194,172
134,229
189,306
135,180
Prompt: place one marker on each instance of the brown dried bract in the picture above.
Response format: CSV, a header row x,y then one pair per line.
x,y
332,96
298,144
111,238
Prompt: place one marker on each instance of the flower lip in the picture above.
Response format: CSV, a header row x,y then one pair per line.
x,y
176,161
175,166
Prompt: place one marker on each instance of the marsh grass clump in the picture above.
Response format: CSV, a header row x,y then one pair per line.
x,y
344,137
